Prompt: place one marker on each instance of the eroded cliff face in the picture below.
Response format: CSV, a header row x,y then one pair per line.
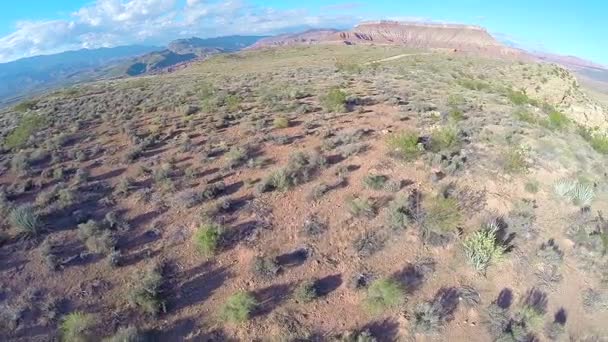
x,y
416,35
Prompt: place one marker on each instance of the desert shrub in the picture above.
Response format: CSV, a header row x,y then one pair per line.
x,y
474,84
48,252
360,207
280,122
429,317
441,214
532,187
28,125
348,67
384,294
213,190
443,139
599,142
515,159
96,237
266,267
557,120
580,194
369,243
524,115
334,100
25,220
187,110
497,319
518,97
300,169
207,238
125,334
124,187
483,249
188,199
238,307
405,145
550,257
426,318
595,301
318,191
76,327
401,212
20,163
306,292
313,226
146,291
237,156
375,182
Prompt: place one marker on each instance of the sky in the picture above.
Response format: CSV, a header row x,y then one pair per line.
x,y
34,27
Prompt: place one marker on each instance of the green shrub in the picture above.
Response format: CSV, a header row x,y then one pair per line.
x,y
348,67
207,238
558,121
442,214
76,327
375,182
28,125
334,101
518,97
25,220
146,292
524,115
306,292
598,142
515,160
444,139
399,214
280,122
96,237
483,249
384,294
405,145
473,84
266,267
238,307
360,207
300,168
532,187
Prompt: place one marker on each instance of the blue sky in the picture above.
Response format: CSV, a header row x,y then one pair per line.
x,y
30,27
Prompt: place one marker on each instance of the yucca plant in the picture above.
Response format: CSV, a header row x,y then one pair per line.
x,y
26,221
482,248
578,193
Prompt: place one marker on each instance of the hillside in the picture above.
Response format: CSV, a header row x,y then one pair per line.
x,y
309,193
38,74
35,73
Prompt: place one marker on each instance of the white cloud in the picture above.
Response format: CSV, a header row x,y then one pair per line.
x,y
117,22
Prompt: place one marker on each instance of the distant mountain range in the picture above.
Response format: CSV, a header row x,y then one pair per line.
x,y
34,74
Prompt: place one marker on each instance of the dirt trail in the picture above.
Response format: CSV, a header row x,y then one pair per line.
x,y
399,56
